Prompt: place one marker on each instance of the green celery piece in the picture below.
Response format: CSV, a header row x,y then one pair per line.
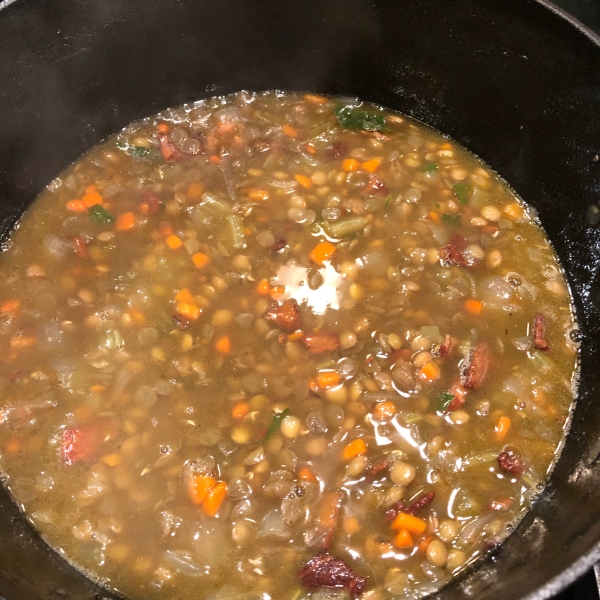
x,y
276,422
138,151
100,215
451,219
463,191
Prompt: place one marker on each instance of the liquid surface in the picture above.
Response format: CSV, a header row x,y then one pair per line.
x,y
280,346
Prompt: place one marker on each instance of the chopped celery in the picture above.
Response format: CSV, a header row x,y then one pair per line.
x,y
348,226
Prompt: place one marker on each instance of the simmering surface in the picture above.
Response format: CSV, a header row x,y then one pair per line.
x,y
280,346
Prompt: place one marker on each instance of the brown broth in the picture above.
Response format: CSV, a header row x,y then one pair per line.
x,y
145,353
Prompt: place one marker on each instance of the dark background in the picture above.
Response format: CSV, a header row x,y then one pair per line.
x,y
588,12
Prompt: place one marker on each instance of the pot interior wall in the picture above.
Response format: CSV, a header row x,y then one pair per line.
x,y
513,81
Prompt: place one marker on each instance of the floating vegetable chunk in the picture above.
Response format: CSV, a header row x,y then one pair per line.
x,y
280,347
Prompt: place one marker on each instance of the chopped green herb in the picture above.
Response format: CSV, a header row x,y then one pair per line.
x,y
451,219
463,191
442,401
138,151
276,422
429,167
122,145
387,201
100,215
358,118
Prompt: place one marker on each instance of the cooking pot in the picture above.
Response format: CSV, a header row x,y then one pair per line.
x,y
515,81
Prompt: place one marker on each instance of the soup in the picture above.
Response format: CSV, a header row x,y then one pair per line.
x,y
280,346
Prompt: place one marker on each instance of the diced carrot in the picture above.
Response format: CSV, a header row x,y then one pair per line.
x,y
351,525
200,485
200,260
263,288
370,166
446,146
195,190
423,543
165,229
473,307
162,127
223,345
136,316
513,211
412,524
20,342
184,295
350,164
303,180
310,148
434,217
297,335
92,187
321,252
214,159
240,410
307,475
260,195
125,222
384,410
315,99
502,428
428,372
328,378
289,131
353,449
92,198
215,498
144,208
77,206
9,306
187,310
12,446
277,291
403,539
174,242
112,460
97,387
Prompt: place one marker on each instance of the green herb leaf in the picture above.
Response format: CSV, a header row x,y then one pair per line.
x,y
138,151
442,401
100,215
463,191
276,422
429,167
451,219
387,201
359,118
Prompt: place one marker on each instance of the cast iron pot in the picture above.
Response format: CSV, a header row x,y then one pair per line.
x,y
515,81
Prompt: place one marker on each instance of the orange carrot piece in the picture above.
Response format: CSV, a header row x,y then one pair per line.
x,y
355,448
215,498
136,316
199,487
125,222
195,190
12,446
290,131
370,166
351,525
77,206
303,180
412,524
434,217
502,428
473,307
174,242
315,99
277,291
260,195
428,372
21,342
162,127
350,165
184,295
307,475
9,306
200,260
310,148
165,229
328,379
214,159
403,539
297,335
384,410
263,288
91,198
240,410
321,252
189,311
223,345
